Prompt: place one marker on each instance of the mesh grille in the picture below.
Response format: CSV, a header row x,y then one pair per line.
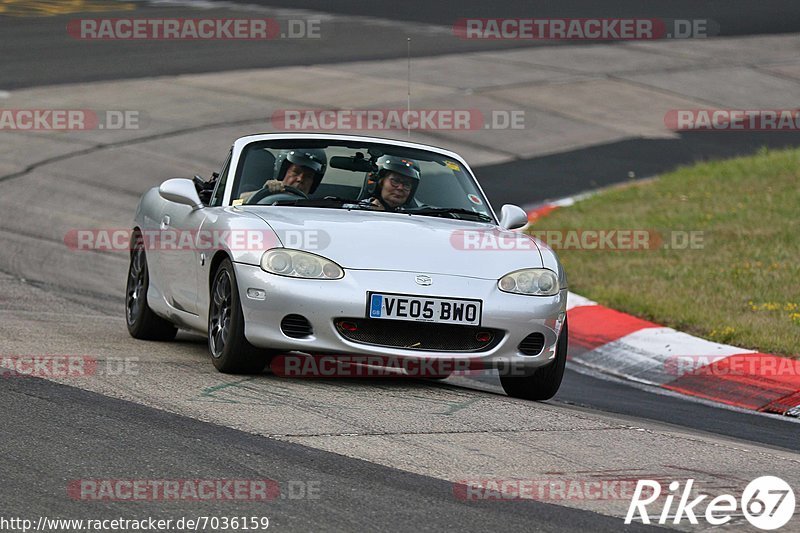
x,y
418,335
296,326
532,344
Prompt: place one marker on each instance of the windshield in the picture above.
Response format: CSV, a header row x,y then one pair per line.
x,y
350,175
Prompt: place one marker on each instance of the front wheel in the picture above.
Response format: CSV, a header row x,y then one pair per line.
x,y
544,382
230,351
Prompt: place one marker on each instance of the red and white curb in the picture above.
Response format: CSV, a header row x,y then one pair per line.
x,y
543,210
631,348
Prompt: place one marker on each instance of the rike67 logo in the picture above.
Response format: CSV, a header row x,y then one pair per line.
x,y
767,503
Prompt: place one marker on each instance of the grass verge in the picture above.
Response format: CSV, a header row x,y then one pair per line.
x,y
722,253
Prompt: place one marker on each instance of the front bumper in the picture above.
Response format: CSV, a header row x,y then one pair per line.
x,y
323,301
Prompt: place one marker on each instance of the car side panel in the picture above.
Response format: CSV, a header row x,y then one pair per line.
x,y
147,219
178,255
241,236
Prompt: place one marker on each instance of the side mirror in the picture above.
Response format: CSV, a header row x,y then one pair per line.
x,y
181,191
513,217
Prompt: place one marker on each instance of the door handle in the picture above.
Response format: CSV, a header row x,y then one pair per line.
x,y
165,222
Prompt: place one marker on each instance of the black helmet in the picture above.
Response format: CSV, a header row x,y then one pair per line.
x,y
312,158
399,165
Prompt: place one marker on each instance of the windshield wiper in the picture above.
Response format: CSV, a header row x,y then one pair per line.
x,y
436,211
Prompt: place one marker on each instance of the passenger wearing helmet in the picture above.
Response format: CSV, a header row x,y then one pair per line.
x,y
302,169
397,181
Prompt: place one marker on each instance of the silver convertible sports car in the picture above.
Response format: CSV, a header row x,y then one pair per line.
x,y
344,246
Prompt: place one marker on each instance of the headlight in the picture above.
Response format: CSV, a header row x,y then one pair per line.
x,y
297,264
531,281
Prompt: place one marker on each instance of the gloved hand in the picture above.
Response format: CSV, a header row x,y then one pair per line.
x,y
274,186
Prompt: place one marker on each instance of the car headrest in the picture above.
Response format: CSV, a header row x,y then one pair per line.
x,y
259,166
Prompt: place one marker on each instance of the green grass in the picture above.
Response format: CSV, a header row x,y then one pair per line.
x,y
742,287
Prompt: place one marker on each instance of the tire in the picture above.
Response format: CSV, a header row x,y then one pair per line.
x,y
544,382
230,351
142,322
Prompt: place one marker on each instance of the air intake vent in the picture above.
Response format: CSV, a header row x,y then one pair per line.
x,y
532,344
296,326
418,335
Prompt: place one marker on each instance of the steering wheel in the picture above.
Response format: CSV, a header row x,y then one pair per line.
x,y
288,190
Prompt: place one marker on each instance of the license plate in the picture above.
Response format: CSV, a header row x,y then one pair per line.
x,y
424,309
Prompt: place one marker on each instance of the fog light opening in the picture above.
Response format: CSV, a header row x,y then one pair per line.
x,y
483,336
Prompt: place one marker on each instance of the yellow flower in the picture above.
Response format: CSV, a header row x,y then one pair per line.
x,y
722,334
766,306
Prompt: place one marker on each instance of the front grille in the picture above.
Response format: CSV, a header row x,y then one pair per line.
x,y
418,335
532,344
296,326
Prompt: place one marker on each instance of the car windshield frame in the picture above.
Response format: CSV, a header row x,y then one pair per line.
x,y
423,154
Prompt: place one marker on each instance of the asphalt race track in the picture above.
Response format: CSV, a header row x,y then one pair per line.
x,y
36,51
357,495
348,455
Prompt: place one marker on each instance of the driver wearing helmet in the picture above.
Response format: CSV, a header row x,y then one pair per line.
x,y
302,169
397,181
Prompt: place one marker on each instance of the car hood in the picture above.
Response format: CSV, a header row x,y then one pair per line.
x,y
369,240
